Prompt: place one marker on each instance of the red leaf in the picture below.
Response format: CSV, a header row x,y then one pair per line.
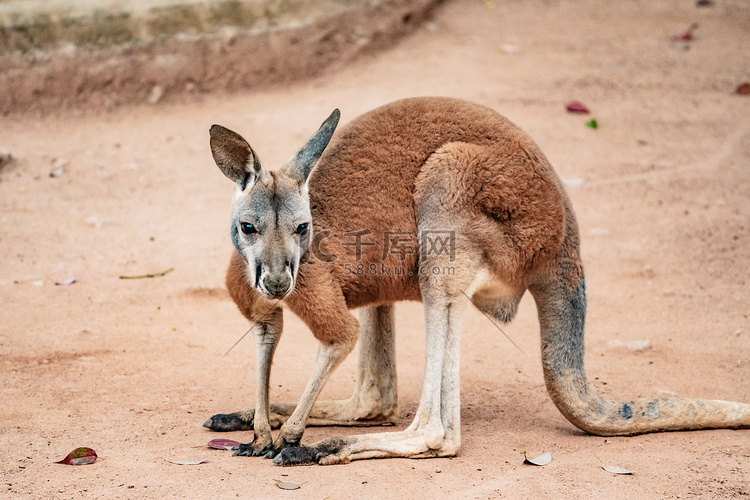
x,y
577,107
743,89
687,35
79,456
224,444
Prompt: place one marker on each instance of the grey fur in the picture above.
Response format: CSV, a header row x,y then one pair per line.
x,y
303,162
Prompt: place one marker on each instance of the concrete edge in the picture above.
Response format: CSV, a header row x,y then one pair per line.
x,y
176,67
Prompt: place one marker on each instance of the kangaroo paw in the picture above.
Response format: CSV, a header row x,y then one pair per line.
x,y
226,422
256,448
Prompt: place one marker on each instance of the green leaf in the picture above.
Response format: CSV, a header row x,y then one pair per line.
x,y
592,124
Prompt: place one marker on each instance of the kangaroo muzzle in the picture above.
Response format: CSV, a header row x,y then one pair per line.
x,y
277,285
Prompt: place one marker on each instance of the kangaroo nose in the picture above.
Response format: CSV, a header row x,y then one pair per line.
x,y
278,284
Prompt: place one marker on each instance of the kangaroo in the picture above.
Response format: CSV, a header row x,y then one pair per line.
x,y
469,209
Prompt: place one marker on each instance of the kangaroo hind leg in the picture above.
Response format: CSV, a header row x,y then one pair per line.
x,y
375,397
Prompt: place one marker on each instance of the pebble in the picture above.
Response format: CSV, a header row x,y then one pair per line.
x,y
58,167
680,45
5,157
509,48
633,345
94,221
574,182
157,92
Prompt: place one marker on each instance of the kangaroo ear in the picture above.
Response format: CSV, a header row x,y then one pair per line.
x,y
300,166
234,156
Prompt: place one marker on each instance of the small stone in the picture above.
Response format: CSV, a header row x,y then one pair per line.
x,y
681,45
510,48
574,182
633,345
60,163
157,92
94,221
58,167
5,157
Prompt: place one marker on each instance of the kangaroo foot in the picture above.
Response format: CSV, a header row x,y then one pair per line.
x,y
256,448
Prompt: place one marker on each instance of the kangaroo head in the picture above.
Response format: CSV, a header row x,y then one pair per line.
x,y
271,222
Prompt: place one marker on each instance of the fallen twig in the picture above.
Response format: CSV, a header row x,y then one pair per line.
x,y
143,276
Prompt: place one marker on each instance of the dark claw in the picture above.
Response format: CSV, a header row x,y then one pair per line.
x,y
269,452
226,422
272,450
245,450
252,449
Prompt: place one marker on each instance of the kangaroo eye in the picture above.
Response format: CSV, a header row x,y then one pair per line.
x,y
248,228
302,229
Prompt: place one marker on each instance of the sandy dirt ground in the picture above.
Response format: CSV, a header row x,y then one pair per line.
x,y
132,368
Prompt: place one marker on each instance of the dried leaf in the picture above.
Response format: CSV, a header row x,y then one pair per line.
x,y
743,89
224,444
144,276
592,124
615,469
687,35
577,107
541,460
79,456
187,462
66,281
287,486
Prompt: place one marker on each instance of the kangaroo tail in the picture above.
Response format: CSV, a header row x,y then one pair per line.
x,y
561,305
